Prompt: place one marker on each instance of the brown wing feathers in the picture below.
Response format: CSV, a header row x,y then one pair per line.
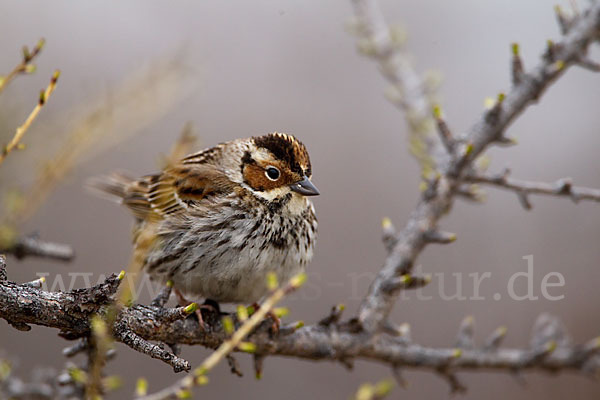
x,y
167,193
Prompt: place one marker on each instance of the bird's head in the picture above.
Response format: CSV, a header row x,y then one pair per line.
x,y
276,166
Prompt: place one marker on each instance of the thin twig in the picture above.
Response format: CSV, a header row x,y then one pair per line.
x,y
44,96
31,246
386,47
25,66
560,188
589,64
143,346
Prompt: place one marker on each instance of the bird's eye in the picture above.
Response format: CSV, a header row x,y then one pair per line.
x,y
272,173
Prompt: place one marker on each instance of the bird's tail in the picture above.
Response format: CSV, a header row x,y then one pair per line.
x,y
115,187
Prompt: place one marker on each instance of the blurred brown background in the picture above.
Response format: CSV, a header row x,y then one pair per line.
x,y
255,67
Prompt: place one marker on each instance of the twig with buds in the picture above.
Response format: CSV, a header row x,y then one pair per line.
x,y
15,142
561,188
409,92
439,194
25,67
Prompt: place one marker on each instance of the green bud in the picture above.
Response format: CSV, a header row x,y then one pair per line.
x,y
247,347
184,394
5,369
515,49
386,223
228,325
112,382
190,308
201,380
437,112
242,313
551,346
298,280
272,283
40,44
55,76
141,387
281,312
383,388
99,326
469,148
78,375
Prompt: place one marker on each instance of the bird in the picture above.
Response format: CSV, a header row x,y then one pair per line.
x,y
226,217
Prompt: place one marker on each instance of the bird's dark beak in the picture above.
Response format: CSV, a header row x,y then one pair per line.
x,y
305,188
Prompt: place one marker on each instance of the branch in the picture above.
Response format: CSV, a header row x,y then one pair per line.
x,y
332,341
589,64
3,276
69,312
409,92
561,188
15,142
437,200
184,386
32,246
25,66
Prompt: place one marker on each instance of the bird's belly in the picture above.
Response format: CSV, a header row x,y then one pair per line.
x,y
236,276
231,265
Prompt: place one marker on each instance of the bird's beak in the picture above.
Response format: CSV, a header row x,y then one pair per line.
x,y
305,188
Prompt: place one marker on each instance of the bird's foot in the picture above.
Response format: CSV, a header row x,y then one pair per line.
x,y
209,305
276,321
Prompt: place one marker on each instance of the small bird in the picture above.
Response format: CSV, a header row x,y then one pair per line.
x,y
226,216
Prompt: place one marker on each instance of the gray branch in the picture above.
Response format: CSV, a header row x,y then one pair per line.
x,y
328,340
409,92
438,199
561,188
32,246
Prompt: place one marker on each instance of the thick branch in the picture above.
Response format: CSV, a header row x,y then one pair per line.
x,y
70,312
24,304
490,128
